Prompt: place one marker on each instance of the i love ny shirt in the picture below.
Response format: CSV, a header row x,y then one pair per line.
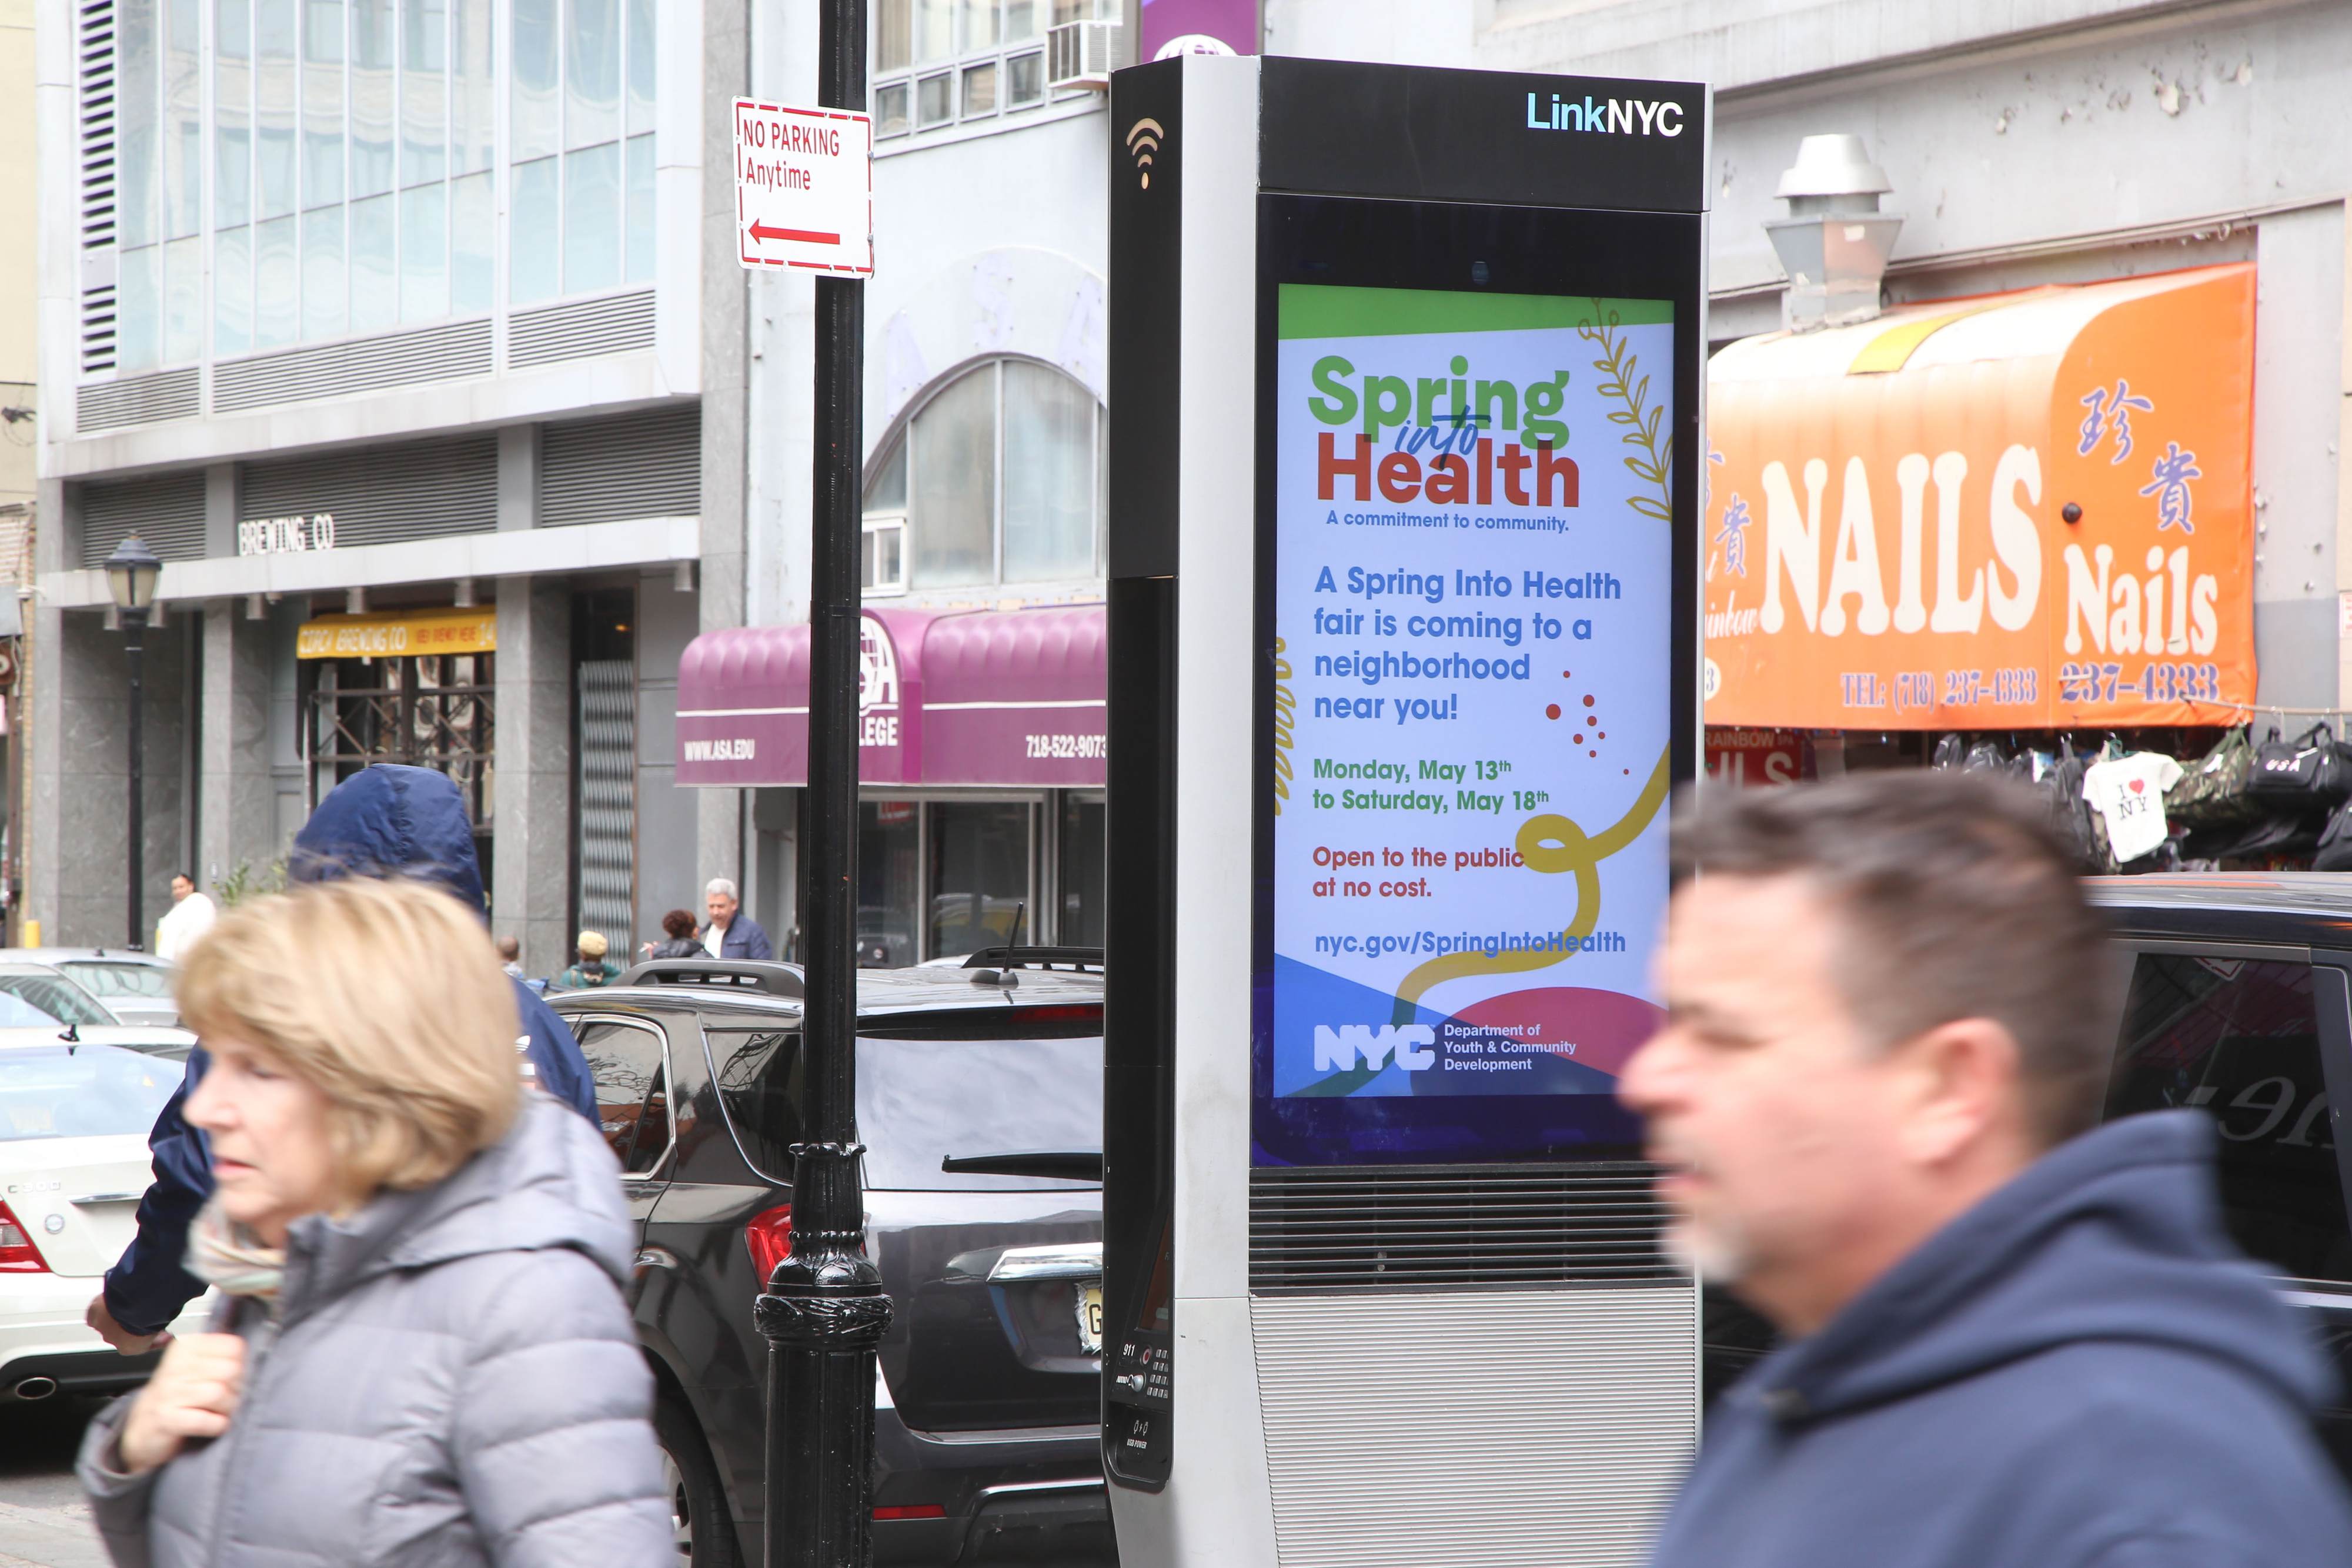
x,y
2128,795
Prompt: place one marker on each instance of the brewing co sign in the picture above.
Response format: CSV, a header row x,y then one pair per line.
x,y
286,535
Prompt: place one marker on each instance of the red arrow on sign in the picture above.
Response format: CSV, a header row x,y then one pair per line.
x,y
805,236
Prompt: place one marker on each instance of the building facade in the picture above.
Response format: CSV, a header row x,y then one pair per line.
x,y
982,695
381,322
2050,163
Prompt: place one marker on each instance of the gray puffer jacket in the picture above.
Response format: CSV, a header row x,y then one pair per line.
x,y
450,1379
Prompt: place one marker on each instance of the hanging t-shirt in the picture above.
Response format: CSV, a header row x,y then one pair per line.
x,y
2128,795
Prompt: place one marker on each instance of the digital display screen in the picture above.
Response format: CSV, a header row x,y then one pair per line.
x,y
1470,742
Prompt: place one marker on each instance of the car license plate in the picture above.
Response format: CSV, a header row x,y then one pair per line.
x,y
1090,1311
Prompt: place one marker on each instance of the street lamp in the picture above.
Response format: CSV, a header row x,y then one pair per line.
x,y
131,573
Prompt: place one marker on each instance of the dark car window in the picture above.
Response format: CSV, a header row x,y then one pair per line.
x,y
923,1101
632,1103
758,1074
2238,1037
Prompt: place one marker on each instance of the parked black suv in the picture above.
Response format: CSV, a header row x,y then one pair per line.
x,y
986,1419
2239,1002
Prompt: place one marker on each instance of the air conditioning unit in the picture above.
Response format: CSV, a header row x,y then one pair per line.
x,y
1081,53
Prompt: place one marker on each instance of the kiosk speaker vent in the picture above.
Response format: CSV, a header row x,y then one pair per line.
x,y
1422,1228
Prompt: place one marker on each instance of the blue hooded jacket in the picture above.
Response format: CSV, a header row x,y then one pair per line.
x,y
2080,1371
385,820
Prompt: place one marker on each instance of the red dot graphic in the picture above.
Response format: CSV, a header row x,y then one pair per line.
x,y
1565,674
1627,771
1588,701
1576,740
1552,710
1599,735
1592,754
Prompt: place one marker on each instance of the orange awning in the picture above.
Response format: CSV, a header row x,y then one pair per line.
x,y
1887,545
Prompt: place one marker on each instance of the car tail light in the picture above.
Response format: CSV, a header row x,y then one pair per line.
x,y
17,1253
1064,1012
769,1237
912,1510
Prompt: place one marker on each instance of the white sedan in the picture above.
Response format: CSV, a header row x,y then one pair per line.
x,y
74,1119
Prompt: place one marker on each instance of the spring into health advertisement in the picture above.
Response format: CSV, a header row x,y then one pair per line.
x,y
1473,612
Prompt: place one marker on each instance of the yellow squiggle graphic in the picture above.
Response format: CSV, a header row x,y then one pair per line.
x,y
1552,843
1286,713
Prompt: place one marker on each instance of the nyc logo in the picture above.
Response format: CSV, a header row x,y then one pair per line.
x,y
1340,1048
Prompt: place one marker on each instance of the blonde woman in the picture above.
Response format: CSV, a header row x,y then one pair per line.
x,y
425,1360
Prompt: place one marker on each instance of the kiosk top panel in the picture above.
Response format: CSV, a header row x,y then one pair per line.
x,y
1510,136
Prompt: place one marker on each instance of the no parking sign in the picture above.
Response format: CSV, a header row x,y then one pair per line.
x,y
803,188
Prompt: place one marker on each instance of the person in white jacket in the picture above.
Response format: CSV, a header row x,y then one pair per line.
x,y
191,916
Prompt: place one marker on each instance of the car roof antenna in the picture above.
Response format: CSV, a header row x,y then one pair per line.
x,y
71,1035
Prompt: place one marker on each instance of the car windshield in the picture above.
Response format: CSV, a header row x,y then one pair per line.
x,y
82,1091
923,1101
920,1101
15,1012
150,981
57,998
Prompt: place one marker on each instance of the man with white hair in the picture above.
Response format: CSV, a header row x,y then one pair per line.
x,y
730,933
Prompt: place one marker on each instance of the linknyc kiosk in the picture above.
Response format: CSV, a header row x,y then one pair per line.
x,y
1404,481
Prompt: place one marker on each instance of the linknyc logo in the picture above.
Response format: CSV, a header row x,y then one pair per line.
x,y
1615,116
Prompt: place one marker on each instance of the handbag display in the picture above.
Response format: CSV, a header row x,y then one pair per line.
x,y
2061,783
2212,793
2300,773
2334,852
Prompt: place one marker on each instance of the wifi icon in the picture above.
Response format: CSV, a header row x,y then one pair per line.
x,y
1143,140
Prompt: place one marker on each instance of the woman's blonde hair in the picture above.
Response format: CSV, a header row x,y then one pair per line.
x,y
386,994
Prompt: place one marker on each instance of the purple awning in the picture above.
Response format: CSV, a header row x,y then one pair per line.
x,y
1008,698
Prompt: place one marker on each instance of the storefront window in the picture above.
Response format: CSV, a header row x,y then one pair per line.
x,y
1082,848
889,874
429,711
979,875
995,479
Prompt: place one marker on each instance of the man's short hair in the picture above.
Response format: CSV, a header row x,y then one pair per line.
x,y
509,948
1957,899
722,887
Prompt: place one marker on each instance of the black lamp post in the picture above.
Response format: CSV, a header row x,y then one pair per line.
x,y
824,1311
131,573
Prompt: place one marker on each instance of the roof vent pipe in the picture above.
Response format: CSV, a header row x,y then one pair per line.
x,y
1834,242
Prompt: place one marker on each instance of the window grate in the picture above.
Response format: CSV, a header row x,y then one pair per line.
x,y
437,711
632,465
617,324
1424,1228
606,790
418,489
455,352
136,399
167,510
95,127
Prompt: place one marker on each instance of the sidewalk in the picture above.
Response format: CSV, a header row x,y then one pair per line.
x,y
59,1536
